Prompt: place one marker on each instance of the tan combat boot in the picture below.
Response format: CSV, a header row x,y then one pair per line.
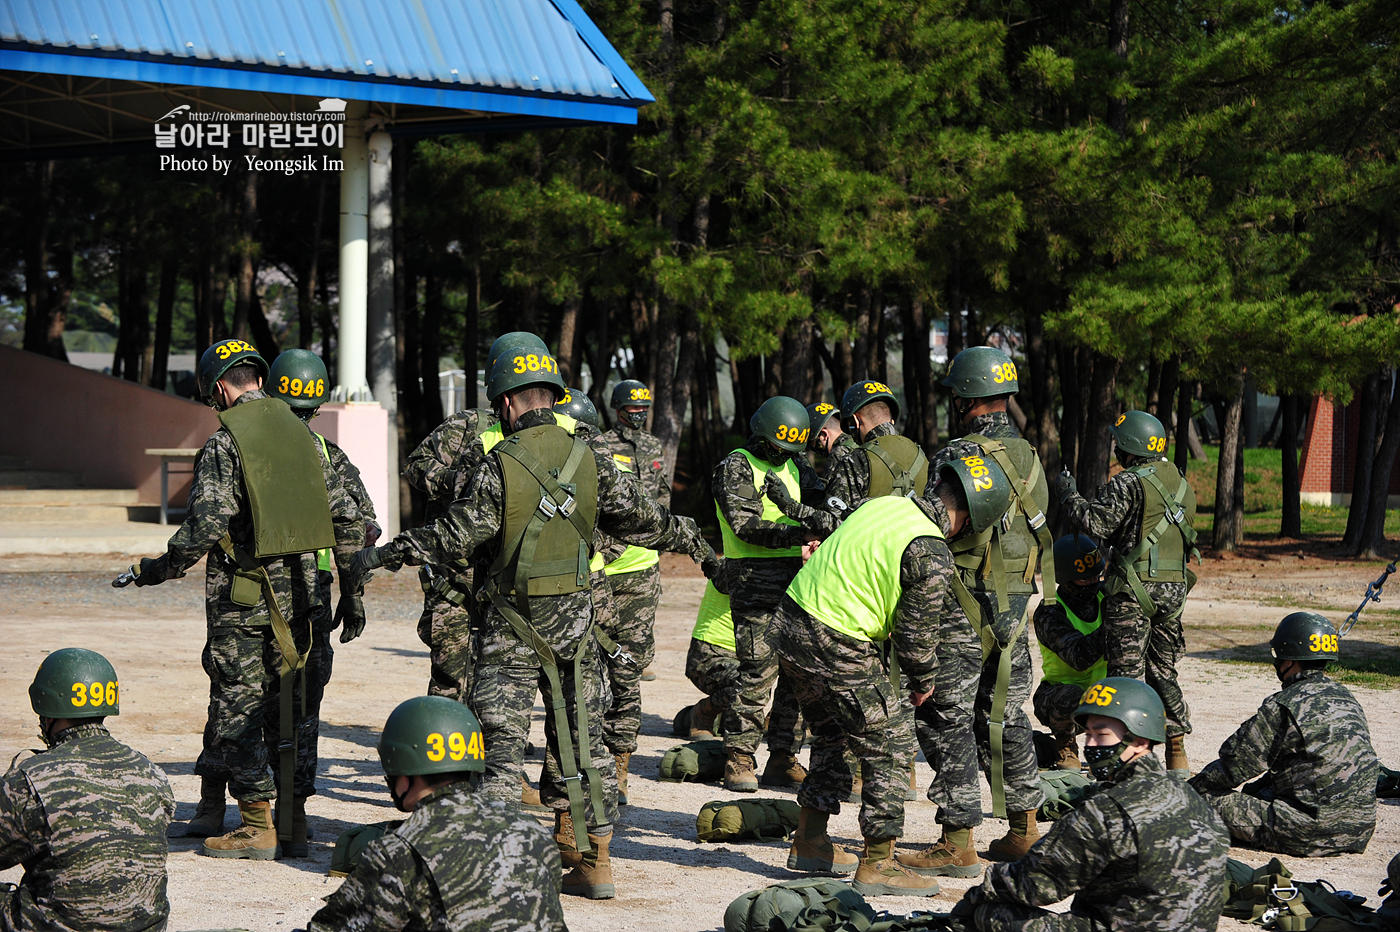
x,y
564,839
209,814
953,856
738,773
702,719
1015,843
255,838
783,769
1176,756
880,874
624,758
812,848
530,797
1067,752
592,876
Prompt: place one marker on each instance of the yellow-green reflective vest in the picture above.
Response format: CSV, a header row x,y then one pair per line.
x,y
851,583
1055,670
633,559
714,624
323,557
733,546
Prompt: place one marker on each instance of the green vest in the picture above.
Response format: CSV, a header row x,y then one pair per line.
x,y
284,478
714,624
851,583
733,546
547,537
1003,557
1056,670
323,556
897,467
633,559
1167,534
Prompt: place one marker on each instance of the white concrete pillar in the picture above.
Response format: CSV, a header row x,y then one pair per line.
x,y
354,258
382,356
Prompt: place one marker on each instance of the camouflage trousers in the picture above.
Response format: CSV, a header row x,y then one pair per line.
x,y
243,667
756,586
850,704
1054,705
1256,819
1017,917
953,726
712,669
635,597
1148,648
446,628
508,674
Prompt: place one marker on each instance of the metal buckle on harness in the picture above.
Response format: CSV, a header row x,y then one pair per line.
x,y
549,509
620,654
1038,521
1277,892
1006,523
285,746
568,507
1178,517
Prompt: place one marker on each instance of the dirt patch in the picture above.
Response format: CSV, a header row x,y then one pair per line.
x,y
666,880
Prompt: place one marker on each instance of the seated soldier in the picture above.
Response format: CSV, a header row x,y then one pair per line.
x,y
1317,795
460,861
87,817
1143,853
1070,633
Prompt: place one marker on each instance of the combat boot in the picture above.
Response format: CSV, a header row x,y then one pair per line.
x,y
530,797
881,874
783,769
299,846
592,877
738,773
702,719
564,839
209,814
1176,756
812,848
1067,752
255,838
624,758
953,856
1015,843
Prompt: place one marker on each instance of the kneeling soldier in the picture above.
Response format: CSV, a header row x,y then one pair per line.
x,y
1070,632
87,817
885,575
1144,853
460,861
1317,795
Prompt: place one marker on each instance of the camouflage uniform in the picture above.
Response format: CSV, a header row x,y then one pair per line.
x,y
87,819
847,698
508,672
1142,855
848,472
967,682
240,656
457,862
756,586
1317,795
1143,648
714,669
1055,703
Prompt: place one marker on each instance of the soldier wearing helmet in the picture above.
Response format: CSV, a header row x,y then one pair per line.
x,y
1309,746
998,568
1142,854
1143,516
827,433
891,464
459,860
763,552
531,510
87,817
885,579
263,502
1070,633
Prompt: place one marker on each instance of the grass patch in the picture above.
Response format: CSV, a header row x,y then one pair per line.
x,y
1377,672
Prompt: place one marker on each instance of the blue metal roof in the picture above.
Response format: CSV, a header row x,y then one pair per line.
x,y
541,58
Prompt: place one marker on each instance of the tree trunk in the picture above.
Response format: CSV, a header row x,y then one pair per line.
x,y
46,297
1166,392
1225,533
797,359
1292,523
1185,404
1070,413
1100,412
306,284
1040,356
1237,499
1118,47
570,342
430,353
747,375
165,314
1373,531
601,364
323,309
470,337
1153,399
246,274
1361,470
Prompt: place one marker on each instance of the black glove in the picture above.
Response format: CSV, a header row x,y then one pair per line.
x,y
362,562
1066,486
778,494
146,574
349,617
711,564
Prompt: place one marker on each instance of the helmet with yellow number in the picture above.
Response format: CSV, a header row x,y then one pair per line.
x,y
1131,701
221,357
863,393
577,405
1305,636
521,368
75,683
783,422
981,372
1140,434
1077,560
431,734
300,379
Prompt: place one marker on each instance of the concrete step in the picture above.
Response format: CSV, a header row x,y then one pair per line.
x,y
60,496
78,513
126,537
13,462
39,479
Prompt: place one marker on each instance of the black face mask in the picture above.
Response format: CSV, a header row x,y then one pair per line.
x,y
1105,761
777,455
1082,600
633,419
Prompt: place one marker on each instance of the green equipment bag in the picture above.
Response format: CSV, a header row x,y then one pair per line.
x,y
696,762
352,843
1269,896
1064,790
1388,784
757,909
746,819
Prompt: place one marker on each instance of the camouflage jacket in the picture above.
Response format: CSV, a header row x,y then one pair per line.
x,y
218,505
1313,740
87,819
452,448
996,425
458,862
1057,634
1142,855
349,475
1114,517
734,491
638,452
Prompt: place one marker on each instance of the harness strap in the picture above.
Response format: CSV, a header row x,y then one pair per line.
x,y
1022,490
902,480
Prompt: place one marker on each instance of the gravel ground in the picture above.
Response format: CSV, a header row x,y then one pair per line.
x,y
666,880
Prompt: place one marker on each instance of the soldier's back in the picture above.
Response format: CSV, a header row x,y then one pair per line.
x,y
1332,767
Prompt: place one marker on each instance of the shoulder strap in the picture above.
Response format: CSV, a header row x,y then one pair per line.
x,y
902,481
1022,491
